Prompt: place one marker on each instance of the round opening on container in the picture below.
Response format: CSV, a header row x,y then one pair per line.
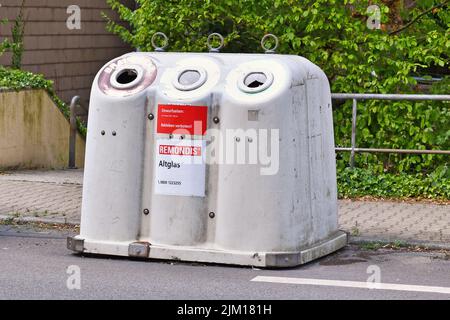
x,y
189,79
255,81
126,76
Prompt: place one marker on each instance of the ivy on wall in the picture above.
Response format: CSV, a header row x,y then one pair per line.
x,y
14,79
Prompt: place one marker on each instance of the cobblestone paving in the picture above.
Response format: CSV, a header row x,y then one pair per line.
x,y
55,196
396,220
48,196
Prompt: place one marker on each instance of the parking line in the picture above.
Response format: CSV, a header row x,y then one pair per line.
x,y
352,284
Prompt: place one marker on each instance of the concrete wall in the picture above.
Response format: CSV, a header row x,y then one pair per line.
x,y
69,57
34,133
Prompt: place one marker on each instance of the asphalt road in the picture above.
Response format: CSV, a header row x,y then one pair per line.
x,y
34,265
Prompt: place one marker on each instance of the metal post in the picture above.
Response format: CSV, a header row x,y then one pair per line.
x,y
73,131
354,115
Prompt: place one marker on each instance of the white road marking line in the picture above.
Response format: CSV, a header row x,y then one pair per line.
x,y
352,284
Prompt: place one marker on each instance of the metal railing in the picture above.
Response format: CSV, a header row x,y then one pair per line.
x,y
76,109
364,96
355,97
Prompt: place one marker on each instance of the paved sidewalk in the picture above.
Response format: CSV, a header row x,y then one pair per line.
x,y
55,197
47,196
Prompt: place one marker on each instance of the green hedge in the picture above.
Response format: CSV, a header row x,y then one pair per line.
x,y
359,182
334,35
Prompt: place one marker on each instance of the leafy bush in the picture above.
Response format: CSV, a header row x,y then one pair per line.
x,y
334,35
15,79
359,182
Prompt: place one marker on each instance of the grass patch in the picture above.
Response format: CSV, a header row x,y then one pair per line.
x,y
11,221
398,245
355,232
372,246
7,221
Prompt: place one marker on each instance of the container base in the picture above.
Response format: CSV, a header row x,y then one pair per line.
x,y
206,255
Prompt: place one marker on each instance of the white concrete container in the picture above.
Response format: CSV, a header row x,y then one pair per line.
x,y
153,193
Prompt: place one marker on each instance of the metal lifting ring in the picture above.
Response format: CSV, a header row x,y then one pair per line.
x,y
264,39
208,42
165,44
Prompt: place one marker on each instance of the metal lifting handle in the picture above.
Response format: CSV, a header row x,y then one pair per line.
x,y
165,43
264,40
208,42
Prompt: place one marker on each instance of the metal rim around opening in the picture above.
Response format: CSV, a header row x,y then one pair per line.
x,y
267,83
192,86
135,68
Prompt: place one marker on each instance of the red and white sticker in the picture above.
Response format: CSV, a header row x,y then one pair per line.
x,y
177,150
180,167
178,119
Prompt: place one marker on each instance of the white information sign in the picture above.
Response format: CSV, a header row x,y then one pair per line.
x,y
180,167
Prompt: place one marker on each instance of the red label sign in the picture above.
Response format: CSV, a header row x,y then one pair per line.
x,y
180,150
176,119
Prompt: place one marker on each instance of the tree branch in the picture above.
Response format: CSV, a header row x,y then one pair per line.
x,y
417,18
